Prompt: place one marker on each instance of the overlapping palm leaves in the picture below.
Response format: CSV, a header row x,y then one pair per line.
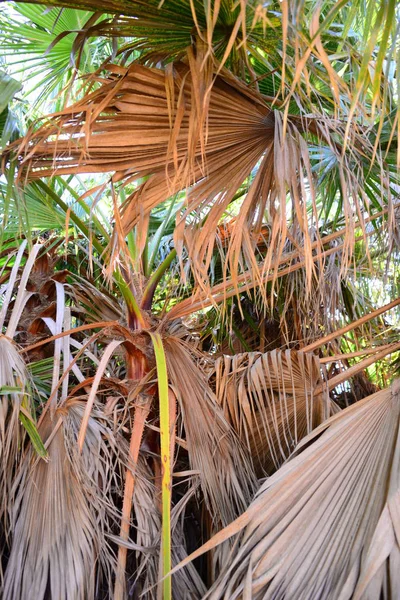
x,y
326,524
226,486
123,398
350,191
163,33
191,125
43,47
111,129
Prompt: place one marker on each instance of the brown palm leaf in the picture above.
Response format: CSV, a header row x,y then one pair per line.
x,y
186,127
271,401
326,524
62,511
225,473
13,384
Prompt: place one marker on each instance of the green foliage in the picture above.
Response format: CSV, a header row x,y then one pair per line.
x,y
8,122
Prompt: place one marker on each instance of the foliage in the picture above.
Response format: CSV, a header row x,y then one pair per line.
x,y
199,299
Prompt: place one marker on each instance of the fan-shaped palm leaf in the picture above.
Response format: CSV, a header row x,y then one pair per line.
x,y
42,46
63,510
163,125
271,402
325,525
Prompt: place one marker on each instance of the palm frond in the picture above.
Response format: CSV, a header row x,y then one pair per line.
x,y
324,525
43,46
213,148
13,397
63,510
271,401
226,476
163,32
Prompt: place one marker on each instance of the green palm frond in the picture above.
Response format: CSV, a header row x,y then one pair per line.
x,y
8,120
42,48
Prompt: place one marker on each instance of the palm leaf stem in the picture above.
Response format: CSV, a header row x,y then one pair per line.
x,y
155,279
339,332
166,469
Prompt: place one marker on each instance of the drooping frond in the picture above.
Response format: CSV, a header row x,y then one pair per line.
x,y
13,387
226,477
272,401
63,510
184,127
158,32
325,524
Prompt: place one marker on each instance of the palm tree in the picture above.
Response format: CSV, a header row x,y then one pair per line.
x,y
198,255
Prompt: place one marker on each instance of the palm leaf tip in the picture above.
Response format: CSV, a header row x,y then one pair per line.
x,y
325,525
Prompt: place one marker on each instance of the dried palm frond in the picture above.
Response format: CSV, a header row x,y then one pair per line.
x,y
13,386
289,261
272,401
226,477
62,511
354,325
325,525
14,389
177,130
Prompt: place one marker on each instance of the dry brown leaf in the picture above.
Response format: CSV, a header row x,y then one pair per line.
x,y
271,401
62,510
179,132
226,477
13,384
326,524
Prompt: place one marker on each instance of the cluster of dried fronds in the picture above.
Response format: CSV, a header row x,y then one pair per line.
x,y
195,127
326,524
250,199
83,493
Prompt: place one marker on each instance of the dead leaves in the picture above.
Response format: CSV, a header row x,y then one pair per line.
x,y
272,401
326,524
61,511
226,477
195,129
186,128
